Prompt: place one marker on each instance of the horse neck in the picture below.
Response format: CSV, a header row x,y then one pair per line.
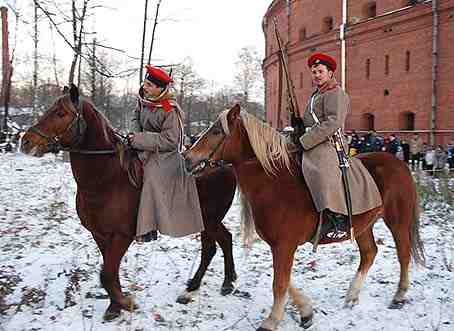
x,y
243,152
90,170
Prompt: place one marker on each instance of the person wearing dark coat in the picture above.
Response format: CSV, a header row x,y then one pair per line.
x,y
169,201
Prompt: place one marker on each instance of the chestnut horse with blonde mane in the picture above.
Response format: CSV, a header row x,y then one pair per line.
x,y
269,175
107,202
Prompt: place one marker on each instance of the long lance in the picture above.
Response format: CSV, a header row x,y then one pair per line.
x,y
295,119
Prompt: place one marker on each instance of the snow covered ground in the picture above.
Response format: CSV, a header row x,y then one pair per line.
x,y
49,267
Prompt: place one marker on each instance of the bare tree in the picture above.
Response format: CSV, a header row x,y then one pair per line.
x,y
248,78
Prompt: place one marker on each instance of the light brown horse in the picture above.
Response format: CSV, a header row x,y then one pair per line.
x,y
283,212
106,201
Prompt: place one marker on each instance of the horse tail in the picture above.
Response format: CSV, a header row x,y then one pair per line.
x,y
417,246
247,222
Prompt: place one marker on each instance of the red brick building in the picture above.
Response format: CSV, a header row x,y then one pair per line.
x,y
399,61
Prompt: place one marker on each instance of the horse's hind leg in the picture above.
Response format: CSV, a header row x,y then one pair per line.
x,y
208,252
368,251
113,253
224,239
399,222
283,255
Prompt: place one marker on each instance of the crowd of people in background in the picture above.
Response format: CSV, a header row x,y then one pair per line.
x,y
414,151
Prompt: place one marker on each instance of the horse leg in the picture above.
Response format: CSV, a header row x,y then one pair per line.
x,y
224,239
368,251
114,252
401,233
208,252
304,305
282,265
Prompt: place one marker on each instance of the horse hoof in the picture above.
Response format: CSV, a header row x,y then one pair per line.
x,y
395,304
110,315
306,322
184,299
351,303
130,305
227,289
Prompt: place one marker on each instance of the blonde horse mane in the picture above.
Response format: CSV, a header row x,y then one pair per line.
x,y
270,147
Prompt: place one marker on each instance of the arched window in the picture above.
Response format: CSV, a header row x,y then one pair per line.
x,y
370,9
328,24
386,64
370,120
301,80
368,68
407,61
409,121
302,34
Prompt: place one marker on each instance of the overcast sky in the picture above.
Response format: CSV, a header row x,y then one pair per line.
x,y
211,32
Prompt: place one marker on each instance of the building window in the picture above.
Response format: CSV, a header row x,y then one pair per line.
x,y
302,34
328,24
407,61
386,64
370,118
301,80
368,68
386,92
370,9
409,121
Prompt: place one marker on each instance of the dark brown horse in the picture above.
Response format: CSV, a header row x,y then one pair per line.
x,y
283,212
106,201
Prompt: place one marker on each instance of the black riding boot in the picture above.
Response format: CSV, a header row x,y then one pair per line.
x,y
334,226
147,237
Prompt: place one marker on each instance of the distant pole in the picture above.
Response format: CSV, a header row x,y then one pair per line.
x,y
5,65
143,42
154,30
35,64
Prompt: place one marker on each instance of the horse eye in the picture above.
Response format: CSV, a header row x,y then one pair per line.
x,y
60,113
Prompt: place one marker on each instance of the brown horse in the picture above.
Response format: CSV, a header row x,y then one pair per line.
x,y
106,201
270,177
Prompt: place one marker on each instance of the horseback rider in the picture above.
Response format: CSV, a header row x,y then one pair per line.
x,y
169,200
330,105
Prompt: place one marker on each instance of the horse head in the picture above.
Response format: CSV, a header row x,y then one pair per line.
x,y
62,126
218,145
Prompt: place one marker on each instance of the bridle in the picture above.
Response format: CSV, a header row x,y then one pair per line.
x,y
77,128
209,162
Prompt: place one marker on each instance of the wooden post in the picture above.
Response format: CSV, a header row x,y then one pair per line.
x,y
5,65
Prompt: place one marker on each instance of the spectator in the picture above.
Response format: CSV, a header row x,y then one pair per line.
x,y
450,150
424,149
416,146
429,158
406,151
394,144
440,159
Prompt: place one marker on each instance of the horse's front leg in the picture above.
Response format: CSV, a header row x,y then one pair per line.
x,y
113,253
283,255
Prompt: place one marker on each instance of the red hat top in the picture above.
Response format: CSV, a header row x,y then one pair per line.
x,y
157,76
321,58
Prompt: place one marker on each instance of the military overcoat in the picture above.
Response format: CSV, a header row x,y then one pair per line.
x,y
320,162
169,200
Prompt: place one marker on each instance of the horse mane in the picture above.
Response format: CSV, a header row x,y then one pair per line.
x,y
270,147
106,127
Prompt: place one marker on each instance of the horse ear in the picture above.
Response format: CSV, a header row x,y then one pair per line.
x,y
74,94
65,90
234,112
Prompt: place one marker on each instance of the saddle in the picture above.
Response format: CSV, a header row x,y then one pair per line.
x,y
131,163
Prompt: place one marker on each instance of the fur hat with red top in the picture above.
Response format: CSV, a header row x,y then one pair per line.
x,y
157,76
321,58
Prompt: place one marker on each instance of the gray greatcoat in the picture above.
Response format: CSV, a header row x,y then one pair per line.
x,y
320,162
169,200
